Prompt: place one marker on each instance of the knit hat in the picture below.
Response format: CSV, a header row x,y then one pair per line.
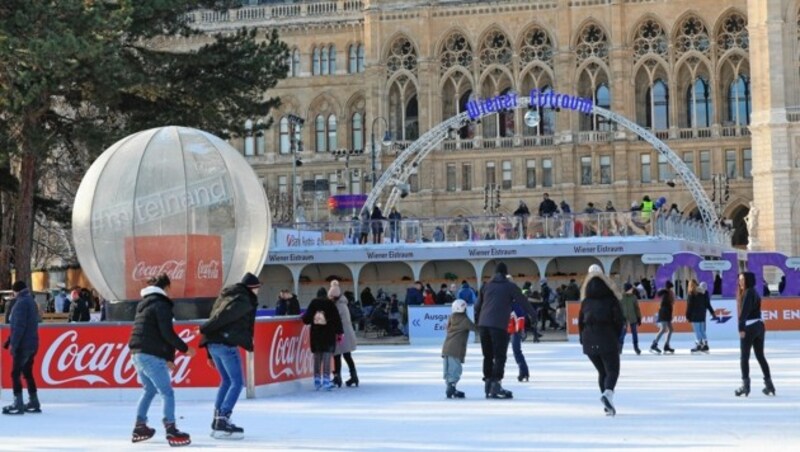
x,y
501,268
19,286
596,272
251,281
334,291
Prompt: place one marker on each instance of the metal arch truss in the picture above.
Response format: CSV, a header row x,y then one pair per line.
x,y
397,174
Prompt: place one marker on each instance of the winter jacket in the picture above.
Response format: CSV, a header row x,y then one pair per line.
x,y
232,319
572,292
24,321
667,302
458,328
751,302
494,308
630,308
323,336
443,297
348,343
152,331
413,297
547,208
467,294
696,306
79,310
367,299
600,321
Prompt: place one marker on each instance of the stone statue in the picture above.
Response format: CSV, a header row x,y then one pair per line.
x,y
751,220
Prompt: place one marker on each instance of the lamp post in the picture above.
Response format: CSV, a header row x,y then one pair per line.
x,y
296,146
387,140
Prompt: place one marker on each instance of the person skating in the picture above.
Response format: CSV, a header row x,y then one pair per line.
x,y
599,322
230,325
751,334
454,349
492,313
664,319
347,345
152,344
326,329
23,345
697,303
518,313
633,317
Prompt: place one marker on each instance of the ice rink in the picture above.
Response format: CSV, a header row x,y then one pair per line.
x,y
679,402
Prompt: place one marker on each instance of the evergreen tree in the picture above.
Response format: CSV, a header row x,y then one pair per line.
x,y
78,75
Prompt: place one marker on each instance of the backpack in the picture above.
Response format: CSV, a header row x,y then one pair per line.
x,y
319,318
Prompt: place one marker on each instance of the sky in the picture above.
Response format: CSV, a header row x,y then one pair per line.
x,y
663,402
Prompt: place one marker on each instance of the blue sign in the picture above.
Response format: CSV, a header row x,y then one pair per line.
x,y
428,324
546,99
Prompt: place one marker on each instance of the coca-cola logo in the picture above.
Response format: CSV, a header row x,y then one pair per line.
x,y
208,270
175,269
290,356
67,360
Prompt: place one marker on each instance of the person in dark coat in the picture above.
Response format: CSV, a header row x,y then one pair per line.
x,y
394,225
633,317
522,213
697,303
519,312
664,319
751,334
152,344
326,329
547,207
230,325
492,312
23,343
414,295
367,301
443,296
377,224
79,311
600,321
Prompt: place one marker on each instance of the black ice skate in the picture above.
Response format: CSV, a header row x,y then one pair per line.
x,y
15,408
769,388
497,392
225,429
175,437
697,349
33,405
743,390
668,350
142,432
654,349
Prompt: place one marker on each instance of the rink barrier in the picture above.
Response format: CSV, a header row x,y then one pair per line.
x,y
91,361
779,314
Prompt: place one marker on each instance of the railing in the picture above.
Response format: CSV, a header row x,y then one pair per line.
x,y
735,131
688,134
277,11
473,229
594,136
793,114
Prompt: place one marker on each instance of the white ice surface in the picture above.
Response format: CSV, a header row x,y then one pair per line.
x,y
679,402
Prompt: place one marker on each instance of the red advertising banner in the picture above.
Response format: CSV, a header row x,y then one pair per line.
x,y
97,356
193,263
282,352
781,314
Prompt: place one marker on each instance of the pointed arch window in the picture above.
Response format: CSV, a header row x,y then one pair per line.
x,y
295,63
698,101
284,136
658,111
319,134
739,107
332,141
547,117
332,60
361,58
324,62
357,131
315,62
602,99
352,59
249,140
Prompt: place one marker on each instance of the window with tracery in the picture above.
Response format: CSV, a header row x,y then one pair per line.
x,y
692,35
658,108
699,104
357,131
403,109
739,107
536,46
456,51
592,44
650,39
495,49
733,33
402,55
456,92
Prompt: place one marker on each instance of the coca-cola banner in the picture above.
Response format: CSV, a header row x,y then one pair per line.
x,y
97,356
282,351
193,263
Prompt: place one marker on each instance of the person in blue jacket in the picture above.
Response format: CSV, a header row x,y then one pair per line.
x,y
23,345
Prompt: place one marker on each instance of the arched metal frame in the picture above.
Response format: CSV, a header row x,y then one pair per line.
x,y
397,174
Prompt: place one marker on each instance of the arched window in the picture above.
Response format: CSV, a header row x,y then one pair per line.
x,y
284,136
324,62
261,145
547,117
352,53
468,130
332,60
739,101
249,141
332,142
315,62
698,101
602,99
658,110
357,132
361,58
411,119
319,132
295,63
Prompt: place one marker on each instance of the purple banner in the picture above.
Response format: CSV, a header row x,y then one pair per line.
x,y
346,201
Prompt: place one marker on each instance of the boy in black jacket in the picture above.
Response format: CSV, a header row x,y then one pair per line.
x,y
230,326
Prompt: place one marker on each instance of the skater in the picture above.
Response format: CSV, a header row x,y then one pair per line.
x,y
23,345
455,347
751,333
347,345
152,344
664,319
230,325
326,330
599,322
491,314
697,303
633,317
518,313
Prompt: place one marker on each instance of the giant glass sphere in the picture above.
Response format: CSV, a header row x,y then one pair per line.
x,y
174,200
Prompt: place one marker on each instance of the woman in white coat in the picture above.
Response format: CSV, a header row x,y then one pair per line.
x,y
345,344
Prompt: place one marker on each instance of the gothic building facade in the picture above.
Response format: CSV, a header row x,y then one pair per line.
x,y
716,80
